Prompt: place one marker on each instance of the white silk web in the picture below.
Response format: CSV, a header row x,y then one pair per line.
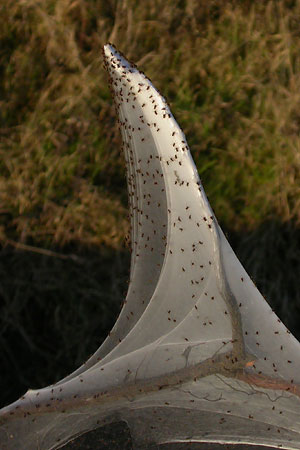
x,y
196,353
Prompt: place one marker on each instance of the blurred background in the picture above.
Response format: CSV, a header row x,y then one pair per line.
x,y
230,71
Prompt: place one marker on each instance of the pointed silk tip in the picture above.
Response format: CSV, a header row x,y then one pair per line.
x,y
115,60
109,50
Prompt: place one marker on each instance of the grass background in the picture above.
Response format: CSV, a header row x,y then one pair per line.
x,y
231,73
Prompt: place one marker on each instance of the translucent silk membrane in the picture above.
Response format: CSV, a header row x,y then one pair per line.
x,y
196,355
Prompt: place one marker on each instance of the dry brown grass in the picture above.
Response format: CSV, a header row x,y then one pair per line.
x,y
230,72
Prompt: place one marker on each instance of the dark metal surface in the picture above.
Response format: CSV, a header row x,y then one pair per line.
x,y
116,436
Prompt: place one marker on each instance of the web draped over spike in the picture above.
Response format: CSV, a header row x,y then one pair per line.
x,y
196,353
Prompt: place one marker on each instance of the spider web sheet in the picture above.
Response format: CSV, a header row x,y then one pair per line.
x,y
196,353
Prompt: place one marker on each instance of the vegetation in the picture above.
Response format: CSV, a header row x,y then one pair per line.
x,y
230,71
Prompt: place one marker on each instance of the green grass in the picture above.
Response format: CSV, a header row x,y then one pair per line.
x,y
230,71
